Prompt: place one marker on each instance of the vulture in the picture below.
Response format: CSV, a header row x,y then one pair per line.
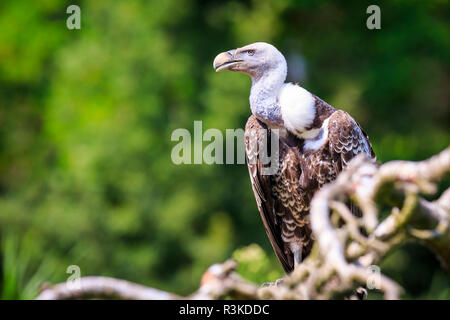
x,y
315,143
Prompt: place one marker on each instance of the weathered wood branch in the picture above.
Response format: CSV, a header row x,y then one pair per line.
x,y
347,247
103,288
218,282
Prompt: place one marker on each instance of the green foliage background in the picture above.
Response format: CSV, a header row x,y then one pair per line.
x,y
86,117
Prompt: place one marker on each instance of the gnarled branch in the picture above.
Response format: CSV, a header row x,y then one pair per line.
x,y
347,246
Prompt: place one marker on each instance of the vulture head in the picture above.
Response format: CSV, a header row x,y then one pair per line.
x,y
256,59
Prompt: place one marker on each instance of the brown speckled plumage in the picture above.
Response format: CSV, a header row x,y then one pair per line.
x,y
283,198
315,144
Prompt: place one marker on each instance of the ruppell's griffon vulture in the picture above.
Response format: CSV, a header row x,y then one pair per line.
x,y
316,142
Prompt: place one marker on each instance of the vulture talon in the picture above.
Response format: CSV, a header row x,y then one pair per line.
x,y
272,284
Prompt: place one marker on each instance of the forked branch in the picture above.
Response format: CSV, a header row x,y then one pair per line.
x,y
347,247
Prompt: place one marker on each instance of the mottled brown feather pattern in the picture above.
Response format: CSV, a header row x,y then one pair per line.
x,y
261,185
347,139
323,111
283,198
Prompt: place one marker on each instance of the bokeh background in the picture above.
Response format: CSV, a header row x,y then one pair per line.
x,y
86,118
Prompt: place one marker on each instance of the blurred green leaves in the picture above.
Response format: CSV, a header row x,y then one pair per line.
x,y
254,265
19,277
86,118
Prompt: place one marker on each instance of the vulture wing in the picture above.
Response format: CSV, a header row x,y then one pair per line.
x,y
262,188
347,139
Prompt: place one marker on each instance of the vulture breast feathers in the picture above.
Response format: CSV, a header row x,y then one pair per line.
x,y
304,165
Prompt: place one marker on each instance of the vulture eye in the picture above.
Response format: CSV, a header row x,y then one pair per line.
x,y
250,52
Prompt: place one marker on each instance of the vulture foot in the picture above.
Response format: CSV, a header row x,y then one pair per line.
x,y
272,284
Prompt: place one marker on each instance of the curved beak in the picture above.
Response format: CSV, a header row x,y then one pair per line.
x,y
225,61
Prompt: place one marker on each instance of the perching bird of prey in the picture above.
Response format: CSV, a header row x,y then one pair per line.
x,y
316,142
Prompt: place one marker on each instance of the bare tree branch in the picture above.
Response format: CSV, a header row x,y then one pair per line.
x,y
103,288
347,246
